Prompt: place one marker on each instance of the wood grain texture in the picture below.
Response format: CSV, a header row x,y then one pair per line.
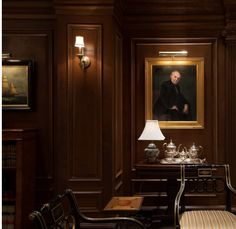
x,y
37,46
89,121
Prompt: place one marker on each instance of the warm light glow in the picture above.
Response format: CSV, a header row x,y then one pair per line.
x,y
151,131
173,53
79,41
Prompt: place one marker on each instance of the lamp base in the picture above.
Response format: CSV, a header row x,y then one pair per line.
x,y
151,153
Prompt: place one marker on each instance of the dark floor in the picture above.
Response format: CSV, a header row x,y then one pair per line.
x,y
166,227
162,226
152,220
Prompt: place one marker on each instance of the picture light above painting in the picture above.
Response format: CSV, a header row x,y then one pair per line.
x,y
174,92
16,84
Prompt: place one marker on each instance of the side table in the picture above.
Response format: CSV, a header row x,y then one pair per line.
x,y
124,205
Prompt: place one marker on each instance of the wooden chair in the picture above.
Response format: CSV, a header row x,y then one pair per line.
x,y
205,181
63,212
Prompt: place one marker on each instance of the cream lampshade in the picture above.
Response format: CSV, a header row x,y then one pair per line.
x,y
79,41
151,132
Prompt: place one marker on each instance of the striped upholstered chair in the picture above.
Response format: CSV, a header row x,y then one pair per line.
x,y
211,182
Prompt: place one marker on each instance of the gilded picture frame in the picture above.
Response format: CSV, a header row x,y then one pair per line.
x,y
16,84
191,84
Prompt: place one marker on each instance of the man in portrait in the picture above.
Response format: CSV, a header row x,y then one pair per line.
x,y
171,104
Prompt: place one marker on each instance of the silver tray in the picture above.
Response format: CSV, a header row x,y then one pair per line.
x,y
182,161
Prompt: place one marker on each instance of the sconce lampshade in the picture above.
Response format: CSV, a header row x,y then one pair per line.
x,y
79,41
151,131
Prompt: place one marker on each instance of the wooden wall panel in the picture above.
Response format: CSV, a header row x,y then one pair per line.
x,y
118,121
85,117
207,137
85,108
91,201
83,158
176,7
231,106
88,121
37,46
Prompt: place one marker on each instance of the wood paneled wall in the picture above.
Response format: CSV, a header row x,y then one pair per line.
x,y
207,137
78,112
230,95
79,104
35,43
154,27
89,121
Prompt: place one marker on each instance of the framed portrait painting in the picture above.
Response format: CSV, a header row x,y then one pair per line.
x,y
16,84
174,92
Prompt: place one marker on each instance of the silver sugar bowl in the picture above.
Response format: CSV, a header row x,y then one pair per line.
x,y
194,151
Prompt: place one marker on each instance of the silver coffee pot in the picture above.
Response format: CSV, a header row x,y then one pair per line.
x,y
194,151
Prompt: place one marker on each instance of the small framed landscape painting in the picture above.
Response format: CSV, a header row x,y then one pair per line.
x,y
16,84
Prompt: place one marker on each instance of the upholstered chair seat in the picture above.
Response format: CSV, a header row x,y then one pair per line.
x,y
205,219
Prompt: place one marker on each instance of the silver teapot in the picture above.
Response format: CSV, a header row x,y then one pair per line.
x,y
169,150
194,151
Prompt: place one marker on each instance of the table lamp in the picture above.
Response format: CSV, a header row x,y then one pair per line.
x,y
151,132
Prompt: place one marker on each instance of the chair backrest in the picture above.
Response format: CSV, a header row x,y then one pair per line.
x,y
207,183
63,212
57,213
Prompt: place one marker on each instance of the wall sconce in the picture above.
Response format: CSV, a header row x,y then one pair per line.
x,y
173,53
84,60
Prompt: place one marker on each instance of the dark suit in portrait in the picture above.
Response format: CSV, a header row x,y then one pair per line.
x,y
170,95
